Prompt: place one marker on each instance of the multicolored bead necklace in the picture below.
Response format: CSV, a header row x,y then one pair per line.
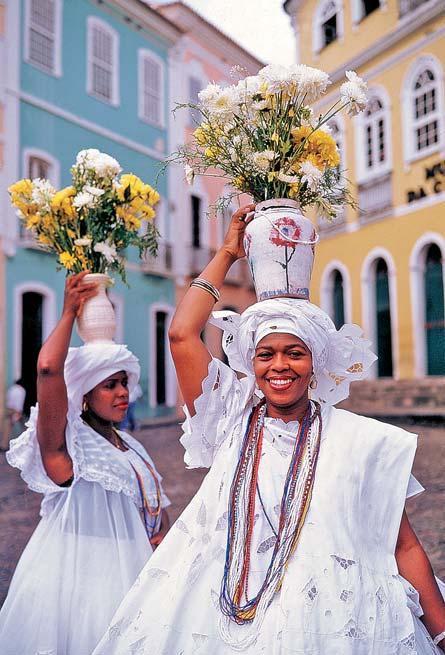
x,y
234,602
149,514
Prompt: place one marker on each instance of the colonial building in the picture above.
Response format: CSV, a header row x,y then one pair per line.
x,y
382,266
203,55
85,74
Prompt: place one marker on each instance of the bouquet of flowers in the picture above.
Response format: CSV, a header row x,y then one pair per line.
x,y
90,222
263,135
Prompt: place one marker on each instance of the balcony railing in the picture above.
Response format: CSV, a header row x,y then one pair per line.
x,y
375,198
199,258
406,6
162,264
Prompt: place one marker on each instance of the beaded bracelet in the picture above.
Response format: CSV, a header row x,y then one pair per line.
x,y
205,285
438,638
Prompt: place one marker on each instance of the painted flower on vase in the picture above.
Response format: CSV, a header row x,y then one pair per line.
x,y
285,234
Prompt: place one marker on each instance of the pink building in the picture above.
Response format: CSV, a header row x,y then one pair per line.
x,y
204,54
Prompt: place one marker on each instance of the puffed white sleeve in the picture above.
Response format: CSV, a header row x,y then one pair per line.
x,y
414,487
218,408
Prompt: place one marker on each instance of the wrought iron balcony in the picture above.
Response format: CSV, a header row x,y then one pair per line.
x,y
375,198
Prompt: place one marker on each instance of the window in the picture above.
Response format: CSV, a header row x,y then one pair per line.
x,y
162,381
426,119
38,167
195,87
338,300
374,134
103,65
151,88
42,41
196,221
369,6
434,311
383,319
423,103
327,24
38,163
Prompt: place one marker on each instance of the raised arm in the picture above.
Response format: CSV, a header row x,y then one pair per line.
x,y
51,390
190,355
415,567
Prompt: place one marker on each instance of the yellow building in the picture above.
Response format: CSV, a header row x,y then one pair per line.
x,y
382,266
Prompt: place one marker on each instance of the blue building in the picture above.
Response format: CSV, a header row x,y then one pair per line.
x,y
87,74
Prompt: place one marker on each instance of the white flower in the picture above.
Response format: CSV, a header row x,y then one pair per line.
x,y
310,82
278,78
84,200
289,179
219,101
82,242
98,162
209,94
248,87
310,174
262,160
189,174
42,193
353,92
93,190
107,250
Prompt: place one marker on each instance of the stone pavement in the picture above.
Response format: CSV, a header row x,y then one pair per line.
x,y
19,507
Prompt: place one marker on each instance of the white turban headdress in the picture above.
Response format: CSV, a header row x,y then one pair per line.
x,y
338,356
88,365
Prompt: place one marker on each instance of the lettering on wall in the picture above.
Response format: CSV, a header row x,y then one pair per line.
x,y
434,183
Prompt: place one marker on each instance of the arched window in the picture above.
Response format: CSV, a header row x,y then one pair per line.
x,y
34,319
374,134
162,386
383,320
362,8
434,311
102,61
338,300
328,24
423,106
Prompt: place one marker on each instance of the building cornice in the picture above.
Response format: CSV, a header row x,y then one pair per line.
x,y
192,23
144,16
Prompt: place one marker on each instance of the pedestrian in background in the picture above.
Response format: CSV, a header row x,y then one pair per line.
x,y
14,419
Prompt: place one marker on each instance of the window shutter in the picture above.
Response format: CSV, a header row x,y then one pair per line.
x,y
151,91
102,63
42,33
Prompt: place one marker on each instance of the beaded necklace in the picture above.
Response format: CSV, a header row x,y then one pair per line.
x,y
234,602
149,514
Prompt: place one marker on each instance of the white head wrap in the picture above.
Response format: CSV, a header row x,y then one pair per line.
x,y
88,365
338,356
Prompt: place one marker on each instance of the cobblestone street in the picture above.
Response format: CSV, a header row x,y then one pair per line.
x,y
19,506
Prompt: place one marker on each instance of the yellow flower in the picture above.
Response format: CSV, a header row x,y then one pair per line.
x,y
130,186
153,196
62,201
32,221
275,137
44,240
67,260
149,213
239,182
22,188
318,146
272,176
201,134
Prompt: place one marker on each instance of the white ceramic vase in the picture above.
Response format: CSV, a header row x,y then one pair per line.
x,y
97,321
280,246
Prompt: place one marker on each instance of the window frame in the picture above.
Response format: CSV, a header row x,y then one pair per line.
x,y
92,23
318,21
411,153
365,174
144,54
56,70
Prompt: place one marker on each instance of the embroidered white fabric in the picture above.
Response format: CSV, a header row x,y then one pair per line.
x,y
338,356
341,594
91,542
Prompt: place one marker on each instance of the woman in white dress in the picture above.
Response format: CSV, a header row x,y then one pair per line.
x,y
297,540
102,497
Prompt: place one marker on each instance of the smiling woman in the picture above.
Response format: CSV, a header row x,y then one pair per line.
x,y
103,504
297,540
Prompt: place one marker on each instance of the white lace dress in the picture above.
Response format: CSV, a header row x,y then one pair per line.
x,y
342,593
87,549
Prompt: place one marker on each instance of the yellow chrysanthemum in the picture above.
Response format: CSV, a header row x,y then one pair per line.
x,y
44,240
148,213
32,221
21,188
318,146
130,186
67,260
62,202
201,134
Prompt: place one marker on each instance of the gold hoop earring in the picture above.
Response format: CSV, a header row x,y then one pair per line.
x,y
313,383
84,406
